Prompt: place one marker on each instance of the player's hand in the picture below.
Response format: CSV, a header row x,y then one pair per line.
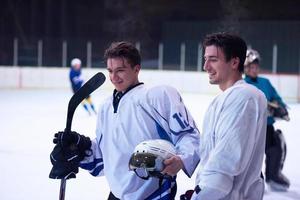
x,y
73,140
187,195
65,162
278,111
172,165
70,149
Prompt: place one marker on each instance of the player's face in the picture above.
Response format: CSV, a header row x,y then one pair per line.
x,y
220,71
252,70
77,67
122,74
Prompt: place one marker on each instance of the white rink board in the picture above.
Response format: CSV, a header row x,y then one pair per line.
x,y
288,86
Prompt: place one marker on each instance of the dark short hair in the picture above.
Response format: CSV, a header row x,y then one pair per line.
x,y
231,44
124,50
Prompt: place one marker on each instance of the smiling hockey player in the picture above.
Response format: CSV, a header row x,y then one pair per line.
x,y
233,137
133,114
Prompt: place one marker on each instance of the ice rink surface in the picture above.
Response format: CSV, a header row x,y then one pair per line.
x,y
29,118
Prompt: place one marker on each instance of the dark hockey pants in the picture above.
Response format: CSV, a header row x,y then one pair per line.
x,y
275,153
112,197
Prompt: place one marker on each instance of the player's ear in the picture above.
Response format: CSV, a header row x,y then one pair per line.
x,y
235,62
137,68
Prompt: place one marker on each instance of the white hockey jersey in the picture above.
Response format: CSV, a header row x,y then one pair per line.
x,y
142,114
233,145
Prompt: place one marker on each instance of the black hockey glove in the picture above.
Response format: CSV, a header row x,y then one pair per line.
x,y
65,162
74,141
278,111
70,149
187,195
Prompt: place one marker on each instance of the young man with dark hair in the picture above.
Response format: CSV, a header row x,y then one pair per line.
x,y
133,114
233,137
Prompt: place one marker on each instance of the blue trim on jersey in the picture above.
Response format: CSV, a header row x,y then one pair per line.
x,y
187,116
180,123
160,115
94,167
164,192
97,170
161,132
100,142
91,165
182,132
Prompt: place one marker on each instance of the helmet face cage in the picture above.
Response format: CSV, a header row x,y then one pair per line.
x,y
252,56
145,164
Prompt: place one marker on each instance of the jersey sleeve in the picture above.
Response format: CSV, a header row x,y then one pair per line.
x,y
175,119
94,162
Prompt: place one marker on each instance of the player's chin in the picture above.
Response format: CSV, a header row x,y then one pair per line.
x,y
213,81
118,87
211,77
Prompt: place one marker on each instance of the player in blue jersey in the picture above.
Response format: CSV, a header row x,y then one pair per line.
x,y
275,143
133,114
77,81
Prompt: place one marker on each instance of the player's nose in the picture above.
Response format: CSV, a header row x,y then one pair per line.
x,y
206,65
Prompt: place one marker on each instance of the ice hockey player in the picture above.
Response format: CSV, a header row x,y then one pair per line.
x,y
233,137
133,114
275,143
77,81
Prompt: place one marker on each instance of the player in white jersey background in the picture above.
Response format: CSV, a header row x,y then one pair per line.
x,y
133,114
233,136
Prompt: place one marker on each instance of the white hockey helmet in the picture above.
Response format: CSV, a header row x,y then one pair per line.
x,y
251,56
148,156
75,61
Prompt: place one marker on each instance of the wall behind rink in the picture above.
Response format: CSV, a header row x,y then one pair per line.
x,y
288,86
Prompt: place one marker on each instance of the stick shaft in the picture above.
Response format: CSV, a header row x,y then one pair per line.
x,y
62,190
90,86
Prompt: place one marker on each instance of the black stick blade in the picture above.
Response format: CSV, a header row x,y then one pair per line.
x,y
90,86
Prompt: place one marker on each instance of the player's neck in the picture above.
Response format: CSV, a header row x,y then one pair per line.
x,y
230,82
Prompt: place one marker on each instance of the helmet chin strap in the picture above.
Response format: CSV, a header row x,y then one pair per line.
x,y
160,175
155,174
142,177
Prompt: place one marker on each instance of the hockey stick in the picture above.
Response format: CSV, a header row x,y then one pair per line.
x,y
90,86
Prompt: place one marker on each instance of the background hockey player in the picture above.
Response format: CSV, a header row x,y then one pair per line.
x,y
133,114
233,137
275,144
77,81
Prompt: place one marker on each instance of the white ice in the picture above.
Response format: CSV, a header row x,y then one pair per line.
x,y
29,118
